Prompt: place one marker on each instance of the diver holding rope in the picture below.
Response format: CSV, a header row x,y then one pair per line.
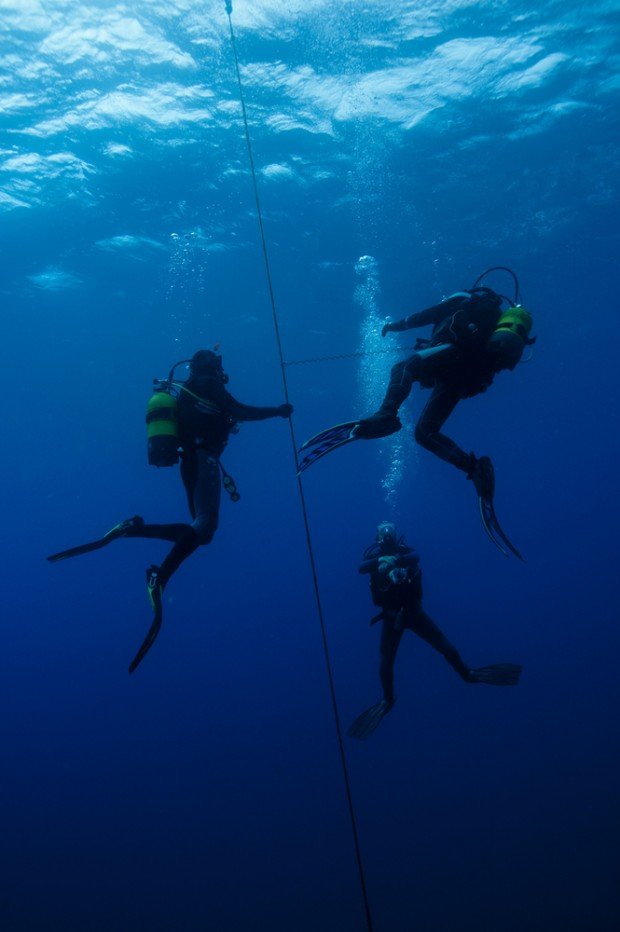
x,y
191,421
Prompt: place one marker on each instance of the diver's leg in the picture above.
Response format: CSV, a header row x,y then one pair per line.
x,y
425,364
204,495
368,722
172,532
157,531
436,412
385,420
390,639
183,548
130,527
420,623
422,366
189,477
402,377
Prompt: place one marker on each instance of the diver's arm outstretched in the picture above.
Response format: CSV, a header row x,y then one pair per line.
x,y
242,412
430,315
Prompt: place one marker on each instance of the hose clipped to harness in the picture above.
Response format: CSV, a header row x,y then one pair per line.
x,y
229,485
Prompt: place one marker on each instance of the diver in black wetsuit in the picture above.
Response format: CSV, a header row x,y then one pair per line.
x,y
206,414
472,340
459,361
396,587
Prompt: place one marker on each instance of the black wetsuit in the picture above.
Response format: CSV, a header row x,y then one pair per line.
x,y
207,414
455,363
402,608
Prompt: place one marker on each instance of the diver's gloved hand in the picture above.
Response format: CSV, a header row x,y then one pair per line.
x,y
285,410
387,328
386,564
398,575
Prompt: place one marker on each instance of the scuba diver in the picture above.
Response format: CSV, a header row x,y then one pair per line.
x,y
396,587
190,420
472,340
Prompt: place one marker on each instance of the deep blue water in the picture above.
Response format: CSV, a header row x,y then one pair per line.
x,y
205,792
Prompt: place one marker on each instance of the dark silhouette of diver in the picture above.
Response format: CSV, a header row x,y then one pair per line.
x,y
396,587
196,416
472,340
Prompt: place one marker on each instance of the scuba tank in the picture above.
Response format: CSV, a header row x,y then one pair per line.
x,y
162,427
517,320
162,423
512,335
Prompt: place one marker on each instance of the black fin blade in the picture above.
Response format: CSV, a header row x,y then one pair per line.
x,y
77,551
495,531
150,637
498,674
368,722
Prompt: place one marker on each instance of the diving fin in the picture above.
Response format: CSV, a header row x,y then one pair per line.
x,y
368,722
119,530
483,477
154,590
498,674
338,436
335,433
325,442
495,532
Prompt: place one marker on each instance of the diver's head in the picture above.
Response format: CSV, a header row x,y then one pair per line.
x,y
386,534
205,364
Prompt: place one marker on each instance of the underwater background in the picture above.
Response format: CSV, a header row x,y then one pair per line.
x,y
400,149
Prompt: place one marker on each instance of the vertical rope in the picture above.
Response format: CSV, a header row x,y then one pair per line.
x,y
304,509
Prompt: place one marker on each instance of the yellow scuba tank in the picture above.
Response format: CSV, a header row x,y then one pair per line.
x,y
517,320
512,335
162,428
